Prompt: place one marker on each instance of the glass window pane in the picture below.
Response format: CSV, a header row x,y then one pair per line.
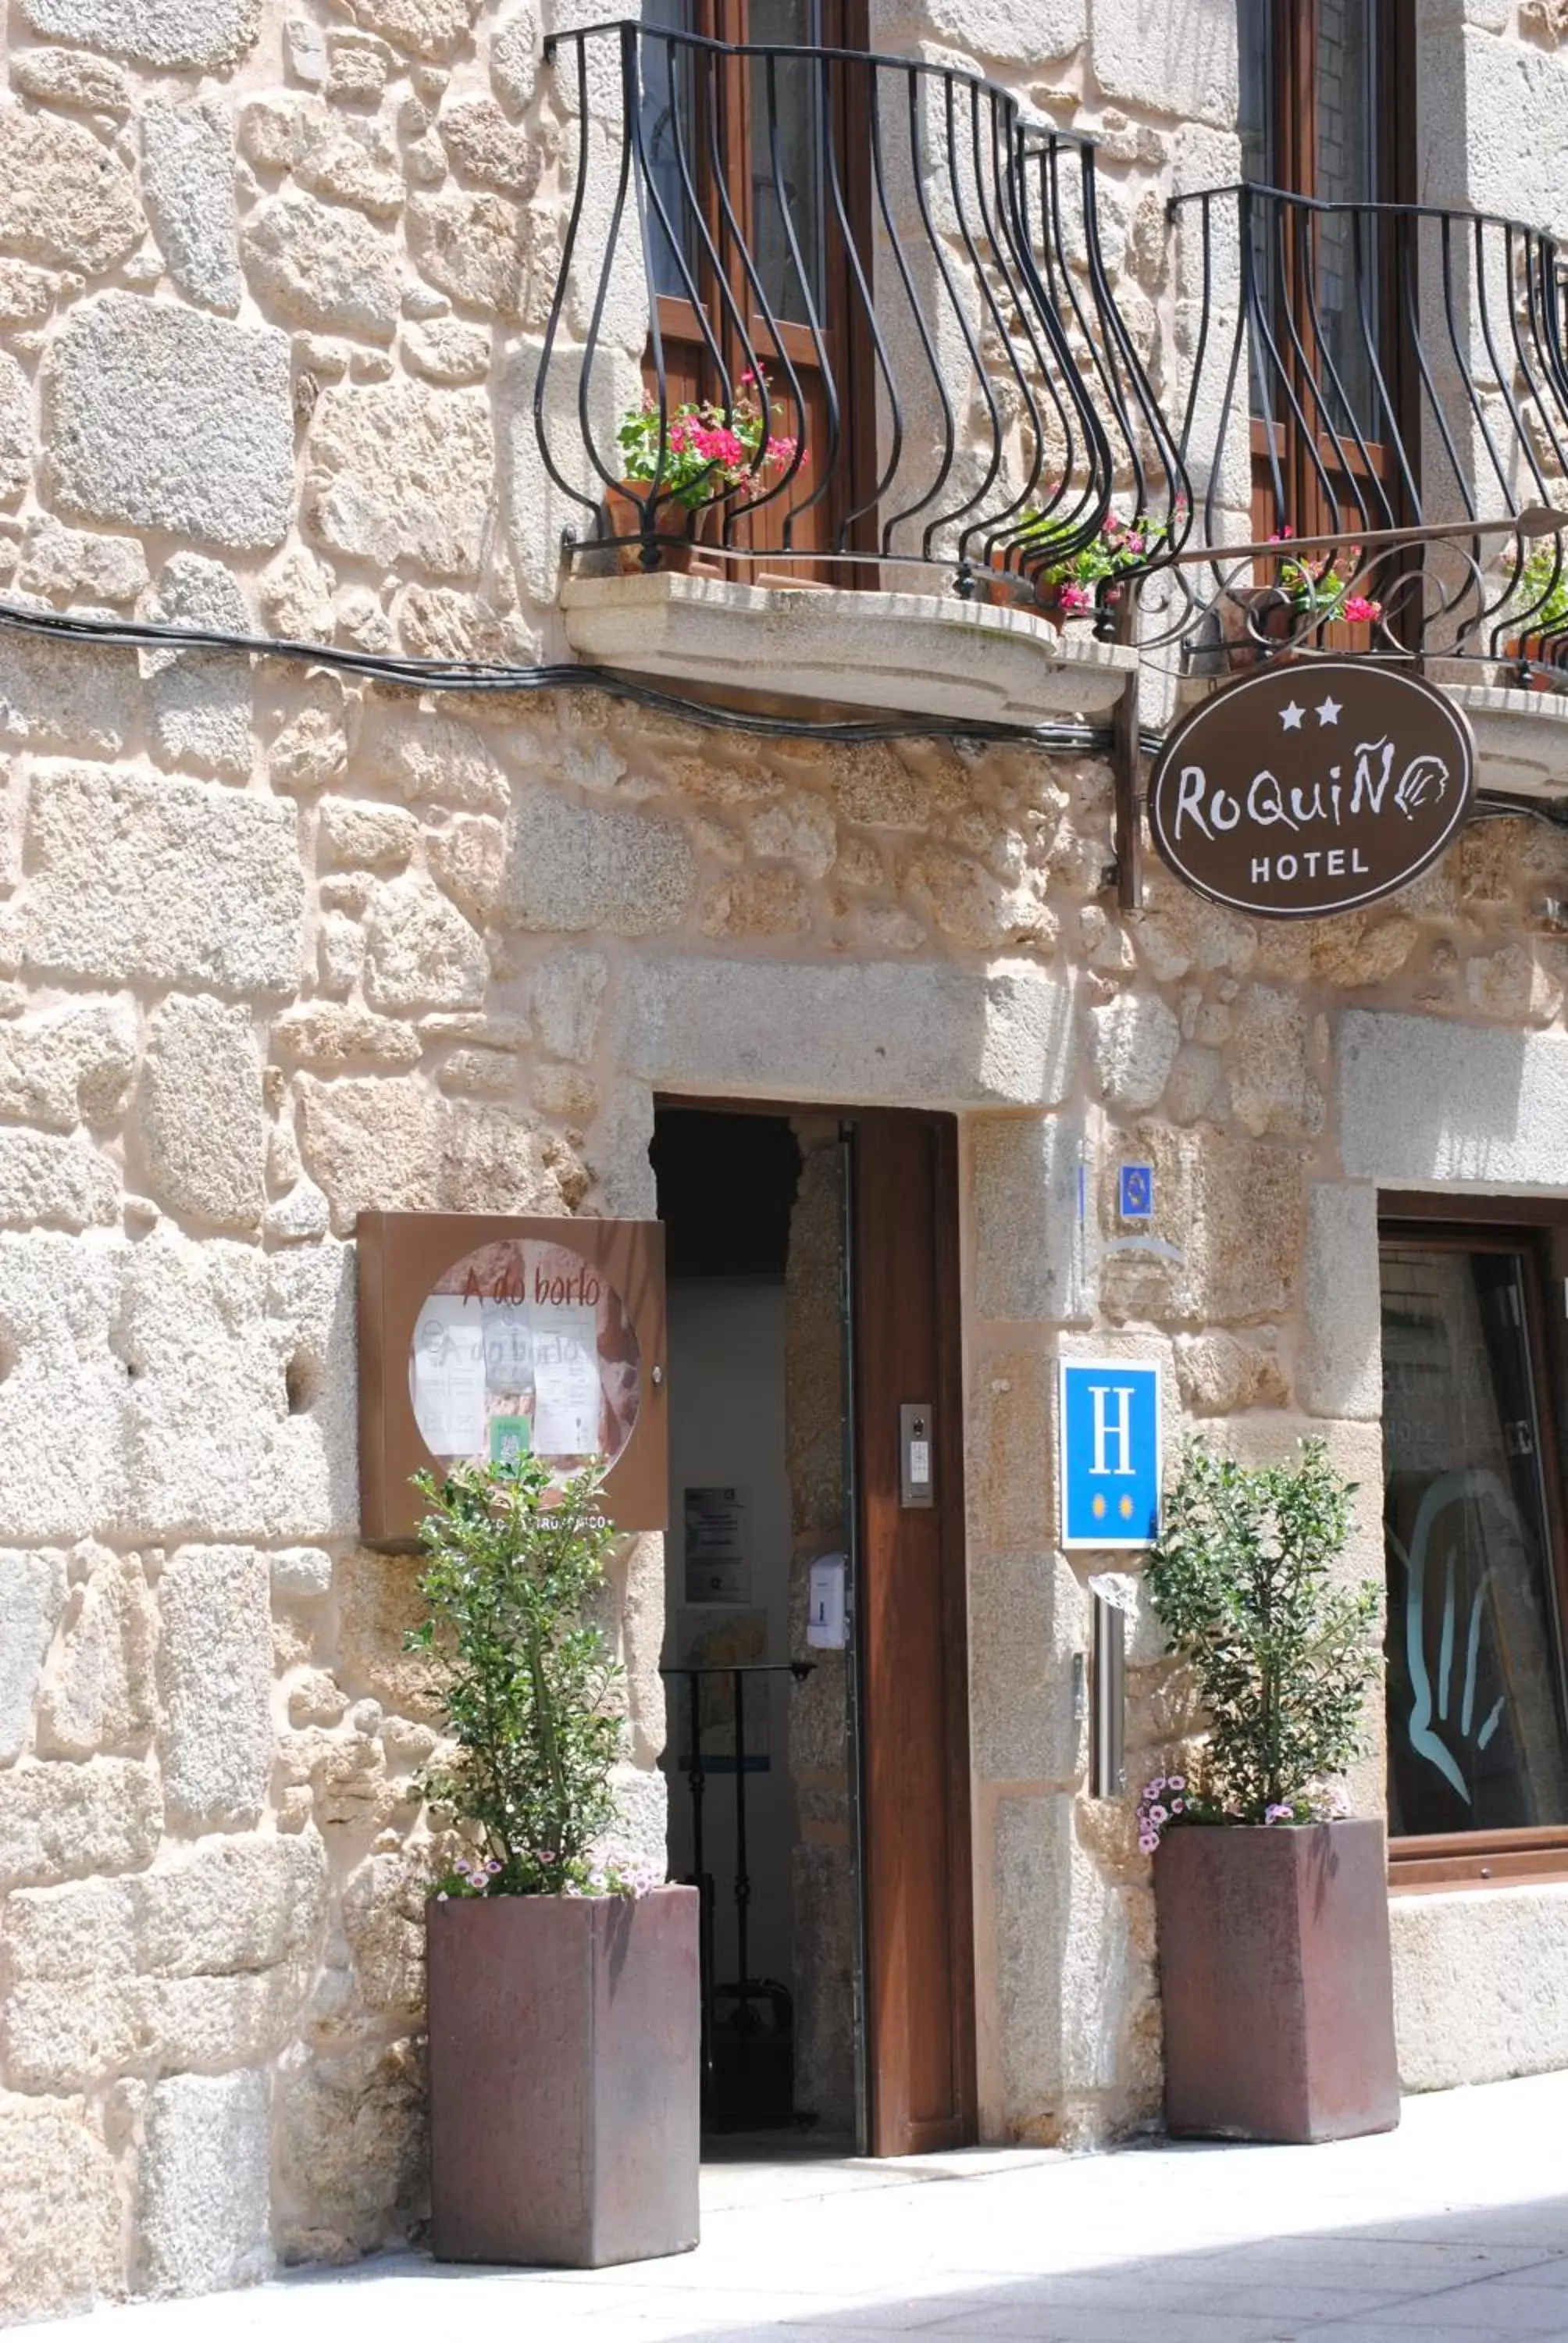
x,y
667,115
1346,108
1260,165
787,99
1475,1680
1255,42
1346,98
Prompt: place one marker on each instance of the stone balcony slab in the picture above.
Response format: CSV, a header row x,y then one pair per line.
x,y
1521,737
917,654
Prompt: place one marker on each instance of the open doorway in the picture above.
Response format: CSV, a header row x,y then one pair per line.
x,y
817,1751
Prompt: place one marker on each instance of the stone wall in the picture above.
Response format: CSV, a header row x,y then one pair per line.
x,y
277,944
212,1854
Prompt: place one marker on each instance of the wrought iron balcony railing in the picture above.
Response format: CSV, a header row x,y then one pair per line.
x,y
1373,378
819,312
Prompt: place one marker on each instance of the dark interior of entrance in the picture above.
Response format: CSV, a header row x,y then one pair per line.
x,y
758,1745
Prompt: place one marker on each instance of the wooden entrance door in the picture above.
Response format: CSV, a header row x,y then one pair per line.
x,y
910,1638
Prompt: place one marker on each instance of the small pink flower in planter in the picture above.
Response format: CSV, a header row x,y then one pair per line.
x,y
1156,1808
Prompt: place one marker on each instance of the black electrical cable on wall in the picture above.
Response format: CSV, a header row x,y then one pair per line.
x,y
458,674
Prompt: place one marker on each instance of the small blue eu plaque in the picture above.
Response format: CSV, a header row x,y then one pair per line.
x,y
1136,1186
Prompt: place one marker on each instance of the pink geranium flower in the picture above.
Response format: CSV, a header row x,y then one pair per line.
x,y
718,444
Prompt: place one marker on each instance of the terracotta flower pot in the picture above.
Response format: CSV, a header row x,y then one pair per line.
x,y
1255,622
1003,586
624,516
1014,589
1048,605
1277,1981
564,2078
1544,654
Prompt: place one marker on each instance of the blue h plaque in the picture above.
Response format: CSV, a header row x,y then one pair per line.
x,y
1109,1454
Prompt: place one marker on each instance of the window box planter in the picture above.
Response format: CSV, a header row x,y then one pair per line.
x,y
1008,588
564,2078
672,552
1277,1981
1540,659
1260,623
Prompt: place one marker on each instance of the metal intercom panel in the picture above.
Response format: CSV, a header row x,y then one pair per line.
x,y
917,1451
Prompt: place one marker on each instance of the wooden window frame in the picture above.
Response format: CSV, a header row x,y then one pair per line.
x,y
1292,130
844,334
1290,144
1523,1226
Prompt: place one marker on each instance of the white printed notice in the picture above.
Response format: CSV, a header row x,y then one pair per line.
x,y
568,1399
449,1376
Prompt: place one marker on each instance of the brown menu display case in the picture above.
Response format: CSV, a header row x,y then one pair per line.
x,y
484,1334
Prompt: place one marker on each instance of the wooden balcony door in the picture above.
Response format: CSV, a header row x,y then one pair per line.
x,y
750,137
1327,113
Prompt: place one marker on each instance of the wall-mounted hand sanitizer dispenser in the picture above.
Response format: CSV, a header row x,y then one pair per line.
x,y
825,1605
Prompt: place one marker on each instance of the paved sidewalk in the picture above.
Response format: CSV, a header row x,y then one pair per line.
x,y
1456,2224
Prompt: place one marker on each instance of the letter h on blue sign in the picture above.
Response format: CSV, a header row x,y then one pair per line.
x,y
1109,1454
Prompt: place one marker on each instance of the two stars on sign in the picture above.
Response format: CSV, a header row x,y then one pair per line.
x,y
1291,716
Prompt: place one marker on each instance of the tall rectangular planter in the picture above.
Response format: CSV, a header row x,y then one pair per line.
x,y
1277,1981
564,2078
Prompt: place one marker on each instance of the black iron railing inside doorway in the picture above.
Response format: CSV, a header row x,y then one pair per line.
x,y
752,2014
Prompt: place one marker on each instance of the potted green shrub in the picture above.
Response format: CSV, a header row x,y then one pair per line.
x,y
1275,1971
564,2017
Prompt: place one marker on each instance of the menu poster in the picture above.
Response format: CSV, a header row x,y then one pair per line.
x,y
448,1392
566,1389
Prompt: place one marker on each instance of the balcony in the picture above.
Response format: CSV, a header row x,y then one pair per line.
x,y
834,398
1382,389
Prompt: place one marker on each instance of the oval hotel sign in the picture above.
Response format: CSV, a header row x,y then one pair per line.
x,y
1311,788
